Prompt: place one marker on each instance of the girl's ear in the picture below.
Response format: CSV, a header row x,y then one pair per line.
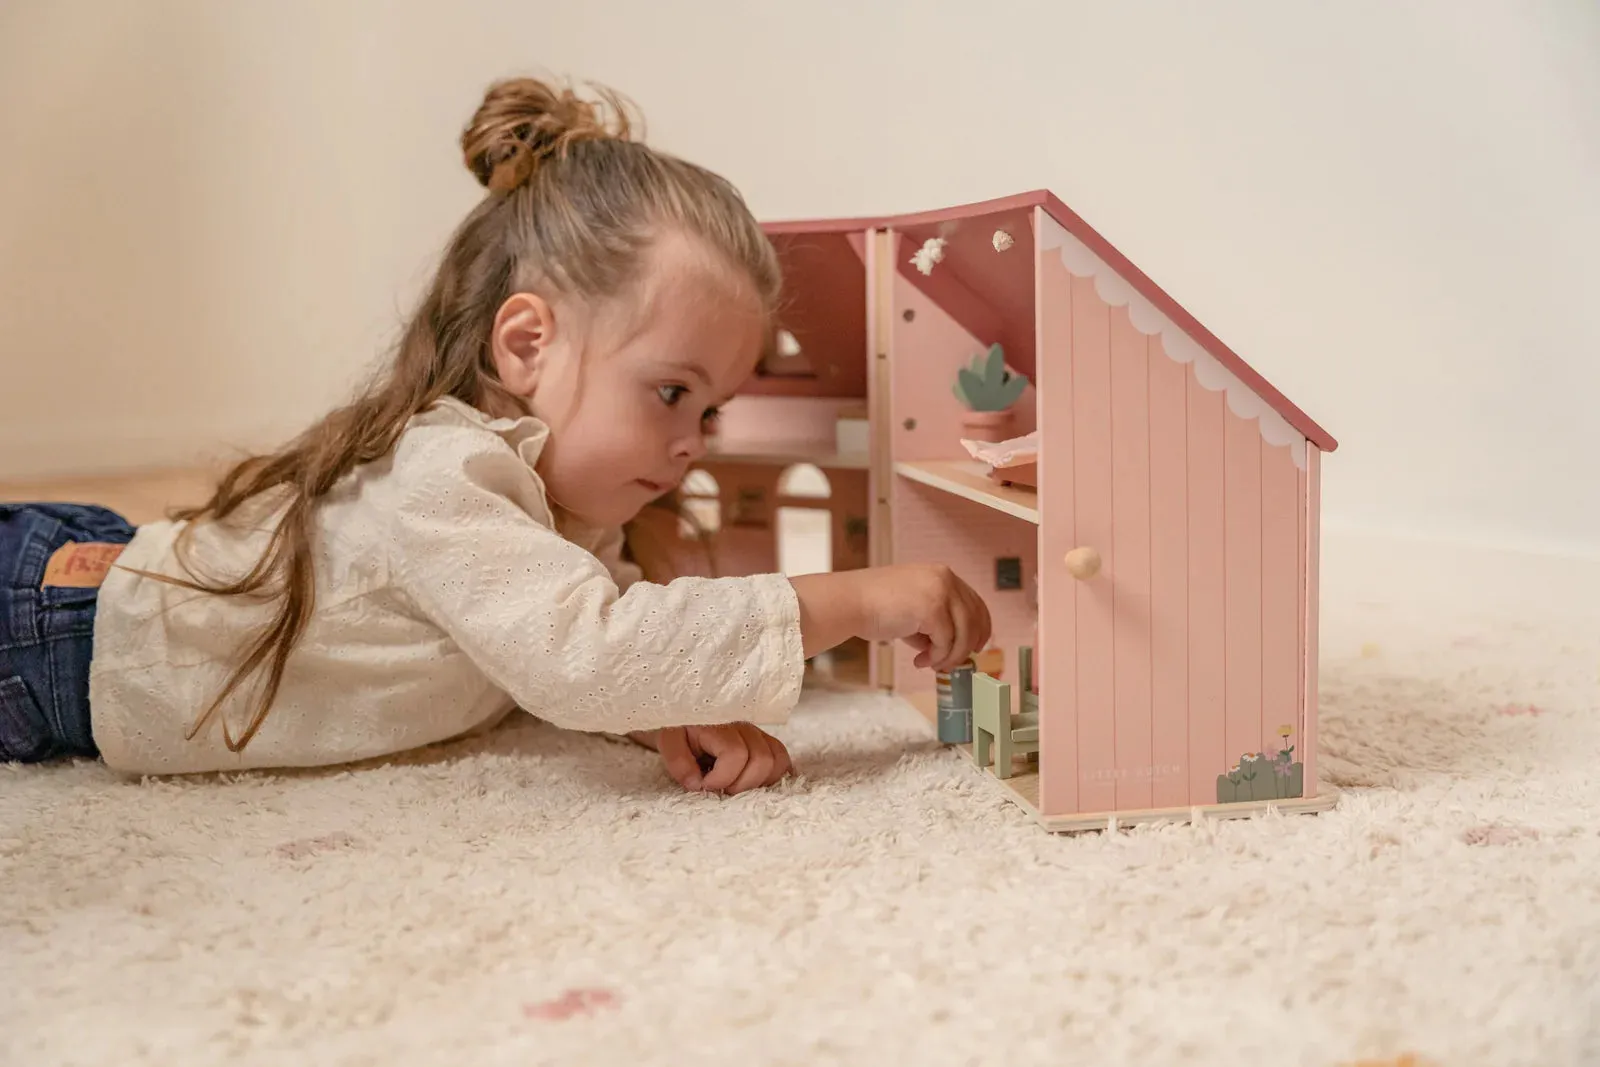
x,y
520,340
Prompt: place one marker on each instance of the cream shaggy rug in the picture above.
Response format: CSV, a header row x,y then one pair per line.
x,y
536,897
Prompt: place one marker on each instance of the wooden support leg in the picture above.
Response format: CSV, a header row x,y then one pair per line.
x,y
1004,747
985,717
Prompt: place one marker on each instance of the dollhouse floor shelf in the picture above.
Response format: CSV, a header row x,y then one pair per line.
x,y
784,454
1022,788
967,480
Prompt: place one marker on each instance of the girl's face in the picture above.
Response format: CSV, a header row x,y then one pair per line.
x,y
629,398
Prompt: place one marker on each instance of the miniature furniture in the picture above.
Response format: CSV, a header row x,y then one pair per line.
x,y
1025,675
1173,529
994,727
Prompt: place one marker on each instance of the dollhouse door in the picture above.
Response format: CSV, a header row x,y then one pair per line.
x,y
1171,565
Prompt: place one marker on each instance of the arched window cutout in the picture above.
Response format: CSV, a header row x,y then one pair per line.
x,y
805,541
700,483
702,505
806,481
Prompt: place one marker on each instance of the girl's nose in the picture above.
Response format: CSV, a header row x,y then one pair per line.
x,y
690,448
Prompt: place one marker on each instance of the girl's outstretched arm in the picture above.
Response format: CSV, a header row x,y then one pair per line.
x,y
925,605
473,546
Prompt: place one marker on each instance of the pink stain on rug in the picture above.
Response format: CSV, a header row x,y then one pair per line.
x,y
1499,835
572,1003
1521,709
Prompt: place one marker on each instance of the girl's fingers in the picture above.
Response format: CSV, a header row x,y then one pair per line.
x,y
985,621
961,645
972,624
923,648
758,768
782,764
673,744
974,627
943,633
728,747
938,632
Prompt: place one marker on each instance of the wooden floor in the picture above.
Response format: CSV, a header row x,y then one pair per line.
x,y
140,497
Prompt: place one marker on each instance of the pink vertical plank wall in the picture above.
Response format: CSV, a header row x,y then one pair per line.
x,y
1313,521
1242,586
1096,597
1130,536
1196,640
1207,594
929,525
1169,578
1281,506
1058,605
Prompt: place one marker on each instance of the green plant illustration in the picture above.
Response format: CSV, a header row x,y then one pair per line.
x,y
986,385
1257,777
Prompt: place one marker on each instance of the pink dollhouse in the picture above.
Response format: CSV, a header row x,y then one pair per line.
x,y
1139,508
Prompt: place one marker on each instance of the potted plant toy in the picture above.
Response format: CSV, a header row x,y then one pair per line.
x,y
988,390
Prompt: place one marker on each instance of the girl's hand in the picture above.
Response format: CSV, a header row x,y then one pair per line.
x,y
929,608
923,604
719,759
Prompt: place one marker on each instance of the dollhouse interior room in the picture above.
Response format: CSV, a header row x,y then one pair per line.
x,y
785,486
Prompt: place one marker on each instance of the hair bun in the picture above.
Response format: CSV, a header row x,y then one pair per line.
x,y
523,121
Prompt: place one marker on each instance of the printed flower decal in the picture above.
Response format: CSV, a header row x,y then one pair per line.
x,y
1247,780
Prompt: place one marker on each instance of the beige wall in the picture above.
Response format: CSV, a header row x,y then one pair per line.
x,y
212,214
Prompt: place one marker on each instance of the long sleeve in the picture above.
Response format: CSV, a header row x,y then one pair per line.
x,y
474,548
609,552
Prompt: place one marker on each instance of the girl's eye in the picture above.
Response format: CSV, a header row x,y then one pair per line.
x,y
711,416
671,394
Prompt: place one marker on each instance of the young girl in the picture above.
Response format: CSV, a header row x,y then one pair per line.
x,y
451,545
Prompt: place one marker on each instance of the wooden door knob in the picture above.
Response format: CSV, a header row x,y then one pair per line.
x,y
1083,563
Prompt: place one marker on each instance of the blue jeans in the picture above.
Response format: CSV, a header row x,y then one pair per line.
x,y
47,635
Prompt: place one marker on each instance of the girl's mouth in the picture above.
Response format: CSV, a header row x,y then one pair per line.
x,y
654,487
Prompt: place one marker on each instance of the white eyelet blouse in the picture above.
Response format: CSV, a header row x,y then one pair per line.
x,y
447,593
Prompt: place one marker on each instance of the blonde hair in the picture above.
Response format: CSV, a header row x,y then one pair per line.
x,y
574,203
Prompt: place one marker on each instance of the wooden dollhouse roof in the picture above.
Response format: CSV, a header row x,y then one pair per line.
x,y
1091,240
